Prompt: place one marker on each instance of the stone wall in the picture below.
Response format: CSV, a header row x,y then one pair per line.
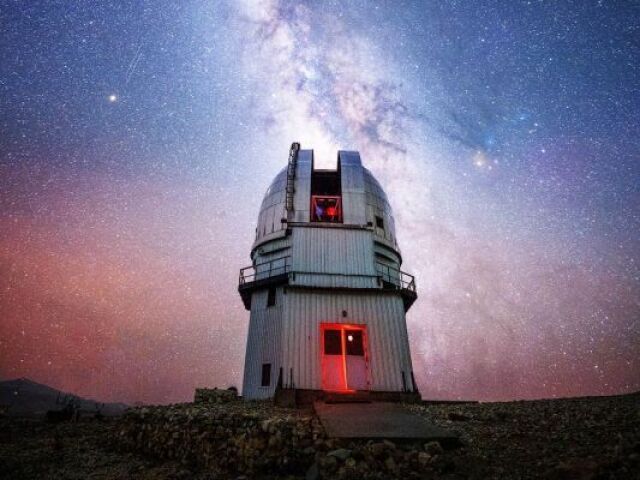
x,y
214,395
251,438
233,437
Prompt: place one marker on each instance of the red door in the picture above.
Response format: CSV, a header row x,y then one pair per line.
x,y
344,359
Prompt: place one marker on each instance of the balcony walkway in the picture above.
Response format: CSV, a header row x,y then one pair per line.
x,y
279,271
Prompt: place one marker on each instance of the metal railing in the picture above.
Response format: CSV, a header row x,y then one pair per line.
x,y
262,271
389,275
396,277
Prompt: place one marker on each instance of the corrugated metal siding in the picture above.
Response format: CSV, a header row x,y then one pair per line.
x,y
386,251
387,257
278,244
336,251
383,315
353,188
277,265
333,281
267,239
273,249
263,344
302,196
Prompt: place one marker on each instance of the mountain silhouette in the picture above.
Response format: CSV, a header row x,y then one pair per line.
x,y
24,397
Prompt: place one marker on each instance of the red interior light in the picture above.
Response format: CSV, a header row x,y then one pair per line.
x,y
326,209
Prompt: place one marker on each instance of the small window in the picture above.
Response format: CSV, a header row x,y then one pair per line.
x,y
332,342
379,222
354,342
271,297
266,375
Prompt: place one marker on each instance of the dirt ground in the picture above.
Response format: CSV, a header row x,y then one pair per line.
x,y
586,438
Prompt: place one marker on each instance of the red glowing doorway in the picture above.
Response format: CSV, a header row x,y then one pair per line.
x,y
345,361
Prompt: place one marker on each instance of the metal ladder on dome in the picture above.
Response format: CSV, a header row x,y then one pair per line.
x,y
291,175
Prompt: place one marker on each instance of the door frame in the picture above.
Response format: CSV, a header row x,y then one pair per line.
x,y
365,344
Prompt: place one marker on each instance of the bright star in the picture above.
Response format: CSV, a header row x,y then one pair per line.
x,y
113,97
479,159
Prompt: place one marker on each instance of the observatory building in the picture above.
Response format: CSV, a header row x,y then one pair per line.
x,y
325,290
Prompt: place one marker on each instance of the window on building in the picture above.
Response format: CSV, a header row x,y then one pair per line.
x,y
379,222
326,196
332,342
266,375
354,342
326,209
271,297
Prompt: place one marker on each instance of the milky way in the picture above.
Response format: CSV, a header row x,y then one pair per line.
x,y
136,141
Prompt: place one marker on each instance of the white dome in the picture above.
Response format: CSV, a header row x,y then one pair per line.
x,y
272,209
357,183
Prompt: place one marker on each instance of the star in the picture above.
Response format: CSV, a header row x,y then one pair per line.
x,y
479,159
113,98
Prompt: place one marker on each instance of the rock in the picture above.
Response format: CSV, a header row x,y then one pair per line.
x,y
389,444
182,475
214,395
423,458
574,468
501,416
458,417
340,453
433,448
390,464
312,473
377,449
329,464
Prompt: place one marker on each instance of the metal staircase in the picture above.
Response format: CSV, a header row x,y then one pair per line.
x,y
291,175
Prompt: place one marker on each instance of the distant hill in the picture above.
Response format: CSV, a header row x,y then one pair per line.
x,y
24,397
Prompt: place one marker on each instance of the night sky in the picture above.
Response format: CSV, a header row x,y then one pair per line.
x,y
137,140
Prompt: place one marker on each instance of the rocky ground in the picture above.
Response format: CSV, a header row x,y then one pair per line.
x,y
575,439
587,438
